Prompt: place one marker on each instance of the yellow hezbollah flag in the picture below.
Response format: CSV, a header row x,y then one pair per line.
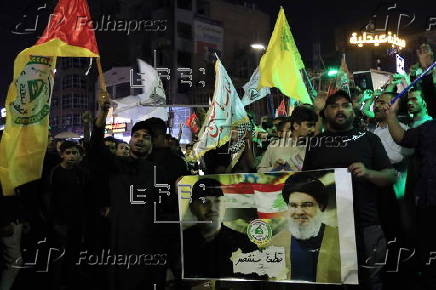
x,y
25,136
280,65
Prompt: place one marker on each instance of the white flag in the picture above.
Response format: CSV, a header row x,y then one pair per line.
x,y
130,107
153,92
225,111
251,93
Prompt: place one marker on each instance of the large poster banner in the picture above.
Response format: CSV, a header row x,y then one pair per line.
x,y
280,226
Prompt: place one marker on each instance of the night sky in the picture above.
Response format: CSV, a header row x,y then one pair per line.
x,y
306,18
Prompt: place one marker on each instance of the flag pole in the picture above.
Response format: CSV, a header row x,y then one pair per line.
x,y
313,92
270,104
403,92
101,79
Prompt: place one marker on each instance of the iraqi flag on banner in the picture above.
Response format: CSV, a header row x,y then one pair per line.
x,y
266,198
251,93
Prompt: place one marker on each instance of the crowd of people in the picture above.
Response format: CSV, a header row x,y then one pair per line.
x,y
95,197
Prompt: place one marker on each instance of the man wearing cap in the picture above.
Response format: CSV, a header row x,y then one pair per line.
x,y
343,146
311,247
208,247
132,193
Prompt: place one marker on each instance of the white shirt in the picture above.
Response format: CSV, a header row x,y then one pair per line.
x,y
290,153
395,152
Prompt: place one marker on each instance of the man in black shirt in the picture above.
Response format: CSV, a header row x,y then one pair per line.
x,y
174,167
422,138
132,193
66,188
363,154
208,247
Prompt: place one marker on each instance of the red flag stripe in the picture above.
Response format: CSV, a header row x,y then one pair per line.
x,y
71,23
249,188
271,215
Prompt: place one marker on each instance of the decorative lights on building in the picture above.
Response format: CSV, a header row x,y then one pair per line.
x,y
377,39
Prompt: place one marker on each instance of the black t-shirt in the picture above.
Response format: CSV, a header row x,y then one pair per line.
x,y
68,189
173,167
218,157
204,259
423,139
340,150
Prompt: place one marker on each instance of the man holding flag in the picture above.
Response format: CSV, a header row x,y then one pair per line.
x,y
25,137
28,100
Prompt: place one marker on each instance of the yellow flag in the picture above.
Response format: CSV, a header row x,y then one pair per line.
x,y
25,137
280,65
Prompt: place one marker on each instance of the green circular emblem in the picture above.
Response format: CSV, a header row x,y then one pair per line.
x,y
34,88
259,232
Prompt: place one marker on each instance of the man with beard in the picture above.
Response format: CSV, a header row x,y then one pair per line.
x,y
358,101
208,247
311,247
133,231
173,167
364,156
287,153
417,107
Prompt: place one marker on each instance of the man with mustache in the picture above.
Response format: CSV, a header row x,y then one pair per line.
x,y
287,152
363,154
208,247
174,166
132,193
397,154
417,107
311,247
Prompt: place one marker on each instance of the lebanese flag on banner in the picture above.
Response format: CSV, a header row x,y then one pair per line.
x,y
192,122
267,198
